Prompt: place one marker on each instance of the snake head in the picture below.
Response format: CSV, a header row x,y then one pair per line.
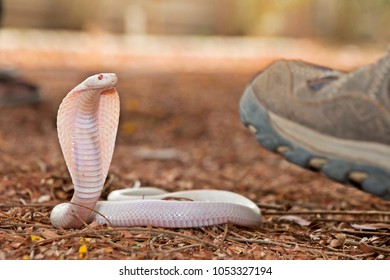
x,y
101,82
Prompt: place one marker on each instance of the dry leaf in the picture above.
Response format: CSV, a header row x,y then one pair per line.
x,y
108,250
47,234
339,241
295,219
366,248
341,236
335,243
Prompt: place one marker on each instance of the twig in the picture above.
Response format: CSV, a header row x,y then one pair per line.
x,y
375,248
182,248
8,224
353,257
75,234
31,205
327,212
151,242
338,254
122,248
168,232
225,231
270,206
362,232
260,241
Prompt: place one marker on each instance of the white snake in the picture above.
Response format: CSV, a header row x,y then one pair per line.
x,y
87,124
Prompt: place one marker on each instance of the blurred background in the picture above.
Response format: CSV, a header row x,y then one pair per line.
x,y
172,49
178,61
182,68
331,20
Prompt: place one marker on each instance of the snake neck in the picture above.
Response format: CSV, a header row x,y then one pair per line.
x,y
87,177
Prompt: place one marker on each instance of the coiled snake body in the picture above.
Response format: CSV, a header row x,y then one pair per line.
x,y
87,125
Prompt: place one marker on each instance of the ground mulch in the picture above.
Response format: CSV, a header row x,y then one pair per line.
x,y
179,130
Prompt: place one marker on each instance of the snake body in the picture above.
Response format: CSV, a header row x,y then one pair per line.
x,y
87,124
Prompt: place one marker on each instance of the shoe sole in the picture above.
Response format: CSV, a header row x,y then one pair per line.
x,y
345,161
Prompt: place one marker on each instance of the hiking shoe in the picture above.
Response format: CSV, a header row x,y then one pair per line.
x,y
325,120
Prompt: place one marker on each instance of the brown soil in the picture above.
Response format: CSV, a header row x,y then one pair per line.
x,y
170,103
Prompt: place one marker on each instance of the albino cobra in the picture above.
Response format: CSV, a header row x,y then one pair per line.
x,y
87,124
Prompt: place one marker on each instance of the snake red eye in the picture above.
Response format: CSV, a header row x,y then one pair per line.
x,y
100,77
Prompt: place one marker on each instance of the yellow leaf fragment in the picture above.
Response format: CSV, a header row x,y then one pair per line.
x,y
34,237
85,240
83,250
